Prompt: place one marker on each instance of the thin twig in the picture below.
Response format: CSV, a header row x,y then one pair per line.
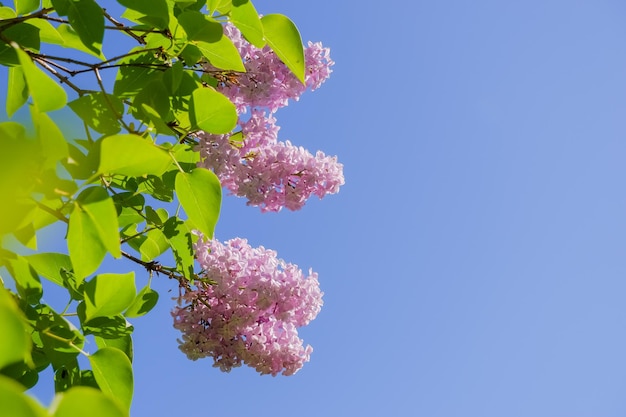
x,y
62,78
123,27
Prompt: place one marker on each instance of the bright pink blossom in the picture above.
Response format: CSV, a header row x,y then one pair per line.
x,y
268,82
269,173
251,311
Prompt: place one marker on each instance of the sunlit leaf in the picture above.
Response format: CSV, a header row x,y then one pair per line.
x,y
50,265
283,37
200,194
86,18
47,94
101,112
114,374
245,17
108,294
132,155
17,91
145,301
212,111
16,343
124,343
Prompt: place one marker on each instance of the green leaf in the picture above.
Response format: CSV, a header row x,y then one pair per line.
x,y
23,34
50,139
107,327
157,10
101,112
47,94
25,6
114,374
132,155
26,279
22,373
47,32
200,27
222,54
143,303
58,336
154,95
16,403
66,376
200,194
93,230
124,343
180,239
245,17
129,205
73,41
50,265
283,37
86,401
109,294
151,245
212,112
86,18
16,342
17,91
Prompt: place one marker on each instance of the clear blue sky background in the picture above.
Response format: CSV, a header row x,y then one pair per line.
x,y
473,264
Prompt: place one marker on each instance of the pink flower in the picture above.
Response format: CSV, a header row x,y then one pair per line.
x,y
251,311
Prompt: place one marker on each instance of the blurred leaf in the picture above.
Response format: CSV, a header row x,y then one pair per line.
x,y
50,139
16,403
212,112
114,374
200,194
16,344
283,37
26,6
86,401
132,155
22,373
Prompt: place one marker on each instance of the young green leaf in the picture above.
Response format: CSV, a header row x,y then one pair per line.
x,y
200,194
157,10
124,343
132,155
100,112
50,265
143,303
245,17
283,37
26,279
87,19
114,374
73,41
212,111
16,342
109,294
93,230
26,6
47,94
17,91
222,54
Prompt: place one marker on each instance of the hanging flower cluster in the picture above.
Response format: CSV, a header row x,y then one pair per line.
x,y
250,311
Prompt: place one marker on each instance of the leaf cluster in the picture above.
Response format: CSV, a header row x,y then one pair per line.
x,y
129,187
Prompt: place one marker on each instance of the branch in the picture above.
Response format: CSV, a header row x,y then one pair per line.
x,y
122,27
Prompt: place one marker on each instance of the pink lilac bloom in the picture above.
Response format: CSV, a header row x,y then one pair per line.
x,y
268,82
270,174
251,311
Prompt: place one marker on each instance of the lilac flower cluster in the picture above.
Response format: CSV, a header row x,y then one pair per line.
x,y
251,312
269,173
268,82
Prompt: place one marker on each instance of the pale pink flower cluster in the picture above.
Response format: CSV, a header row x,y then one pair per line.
x,y
268,82
269,173
251,312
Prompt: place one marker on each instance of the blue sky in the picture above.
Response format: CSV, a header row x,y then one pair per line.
x,y
473,264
